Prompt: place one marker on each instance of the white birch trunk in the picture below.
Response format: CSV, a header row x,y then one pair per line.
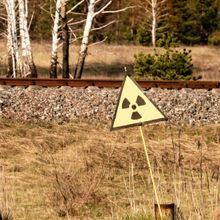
x,y
12,36
158,12
28,66
154,22
55,41
85,40
11,58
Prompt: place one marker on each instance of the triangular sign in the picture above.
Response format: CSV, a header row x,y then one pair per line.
x,y
134,107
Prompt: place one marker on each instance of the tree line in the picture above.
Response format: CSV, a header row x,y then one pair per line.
x,y
146,22
190,21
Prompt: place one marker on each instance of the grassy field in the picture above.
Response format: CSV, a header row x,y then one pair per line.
x,y
81,170
109,60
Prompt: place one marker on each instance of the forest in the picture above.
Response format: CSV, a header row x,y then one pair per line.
x,y
189,21
157,23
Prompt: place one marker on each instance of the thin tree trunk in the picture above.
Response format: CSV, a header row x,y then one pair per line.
x,y
85,40
154,22
24,69
28,66
55,41
65,37
11,71
10,66
118,23
133,29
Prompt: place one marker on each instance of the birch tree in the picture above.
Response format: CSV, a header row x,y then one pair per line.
x,y
61,23
154,21
156,11
85,41
20,60
12,39
28,66
95,8
55,41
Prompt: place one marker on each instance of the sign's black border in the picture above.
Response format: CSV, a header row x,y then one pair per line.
x,y
135,124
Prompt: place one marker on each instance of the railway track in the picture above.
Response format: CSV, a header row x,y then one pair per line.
x,y
45,82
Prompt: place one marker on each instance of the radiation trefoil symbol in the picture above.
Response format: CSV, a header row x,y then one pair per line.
x,y
139,102
134,107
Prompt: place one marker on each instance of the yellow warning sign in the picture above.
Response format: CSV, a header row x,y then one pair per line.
x,y
134,108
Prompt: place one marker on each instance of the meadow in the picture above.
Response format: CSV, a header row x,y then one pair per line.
x,y
106,61
81,170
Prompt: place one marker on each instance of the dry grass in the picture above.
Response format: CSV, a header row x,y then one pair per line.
x,y
206,62
81,170
109,60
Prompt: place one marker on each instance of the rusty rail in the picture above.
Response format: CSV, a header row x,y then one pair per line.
x,y
45,82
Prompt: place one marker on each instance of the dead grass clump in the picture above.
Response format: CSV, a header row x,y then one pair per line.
x,y
6,150
114,157
5,203
138,216
76,190
6,215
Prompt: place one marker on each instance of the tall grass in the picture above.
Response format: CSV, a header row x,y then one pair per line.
x,y
81,170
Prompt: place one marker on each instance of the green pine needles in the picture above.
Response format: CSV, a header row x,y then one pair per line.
x,y
169,65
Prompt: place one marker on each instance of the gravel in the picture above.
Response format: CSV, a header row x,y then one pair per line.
x,y
185,106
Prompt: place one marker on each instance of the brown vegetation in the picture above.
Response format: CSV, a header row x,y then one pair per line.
x,y
81,170
111,60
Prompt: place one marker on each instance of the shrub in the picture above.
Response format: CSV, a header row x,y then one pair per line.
x,y
143,34
171,65
6,214
168,40
143,37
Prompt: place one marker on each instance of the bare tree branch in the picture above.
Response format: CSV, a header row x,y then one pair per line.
x,y
119,10
77,22
49,12
149,2
32,17
99,42
161,2
3,18
77,38
104,26
97,2
77,13
102,9
75,6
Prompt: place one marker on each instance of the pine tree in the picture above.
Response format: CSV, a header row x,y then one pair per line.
x,y
207,13
193,20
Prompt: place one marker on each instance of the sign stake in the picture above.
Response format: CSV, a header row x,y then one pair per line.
x,y
151,172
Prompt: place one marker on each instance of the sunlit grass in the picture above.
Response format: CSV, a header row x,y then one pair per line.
x,y
111,60
83,170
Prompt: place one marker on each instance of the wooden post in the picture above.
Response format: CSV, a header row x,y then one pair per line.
x,y
168,211
151,173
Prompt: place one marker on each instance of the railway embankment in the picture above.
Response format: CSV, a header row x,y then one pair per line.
x,y
185,106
